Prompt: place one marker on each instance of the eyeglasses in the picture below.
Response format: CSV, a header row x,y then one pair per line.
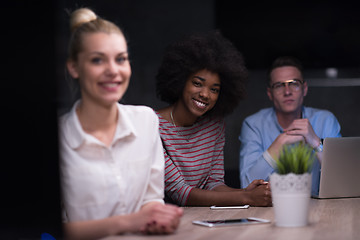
x,y
293,84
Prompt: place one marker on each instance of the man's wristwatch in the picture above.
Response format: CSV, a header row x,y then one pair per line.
x,y
319,148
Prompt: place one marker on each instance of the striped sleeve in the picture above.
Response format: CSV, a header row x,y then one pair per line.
x,y
217,173
193,157
175,185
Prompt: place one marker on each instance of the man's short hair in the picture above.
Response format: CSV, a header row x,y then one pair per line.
x,y
284,61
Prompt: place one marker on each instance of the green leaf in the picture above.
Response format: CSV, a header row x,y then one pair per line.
x,y
297,158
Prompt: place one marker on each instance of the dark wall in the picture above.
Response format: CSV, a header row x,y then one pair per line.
x,y
321,33
29,180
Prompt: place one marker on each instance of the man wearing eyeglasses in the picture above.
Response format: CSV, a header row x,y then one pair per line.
x,y
264,133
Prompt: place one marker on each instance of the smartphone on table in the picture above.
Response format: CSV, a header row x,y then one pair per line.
x,y
228,222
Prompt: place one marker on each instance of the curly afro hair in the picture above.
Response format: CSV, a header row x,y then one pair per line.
x,y
210,51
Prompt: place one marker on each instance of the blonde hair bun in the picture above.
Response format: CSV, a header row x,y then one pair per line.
x,y
84,21
81,16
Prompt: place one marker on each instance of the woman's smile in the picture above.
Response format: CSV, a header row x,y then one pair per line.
x,y
200,104
201,92
110,86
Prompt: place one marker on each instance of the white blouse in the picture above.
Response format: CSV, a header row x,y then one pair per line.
x,y
99,181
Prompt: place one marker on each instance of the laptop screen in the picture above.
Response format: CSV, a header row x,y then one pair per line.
x,y
340,168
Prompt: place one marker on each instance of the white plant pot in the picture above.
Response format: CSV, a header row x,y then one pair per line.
x,y
291,198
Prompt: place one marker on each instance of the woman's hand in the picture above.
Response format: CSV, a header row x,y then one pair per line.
x,y
259,193
157,218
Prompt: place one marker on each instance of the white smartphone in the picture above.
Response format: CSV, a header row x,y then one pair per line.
x,y
229,207
228,222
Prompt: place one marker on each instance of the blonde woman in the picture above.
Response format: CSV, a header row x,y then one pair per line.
x,y
109,187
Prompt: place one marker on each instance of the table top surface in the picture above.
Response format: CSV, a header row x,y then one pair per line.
x,y
328,219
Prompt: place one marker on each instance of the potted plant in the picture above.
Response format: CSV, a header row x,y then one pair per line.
x,y
291,185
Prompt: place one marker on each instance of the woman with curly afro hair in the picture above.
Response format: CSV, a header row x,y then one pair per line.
x,y
202,78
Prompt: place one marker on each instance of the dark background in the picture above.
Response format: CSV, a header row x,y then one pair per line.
x,y
35,89
321,33
29,180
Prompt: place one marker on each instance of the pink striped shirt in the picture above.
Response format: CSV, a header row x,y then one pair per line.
x,y
194,157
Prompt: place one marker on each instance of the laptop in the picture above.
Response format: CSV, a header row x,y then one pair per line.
x,y
340,169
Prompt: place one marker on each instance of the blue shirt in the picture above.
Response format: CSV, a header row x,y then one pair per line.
x,y
260,130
